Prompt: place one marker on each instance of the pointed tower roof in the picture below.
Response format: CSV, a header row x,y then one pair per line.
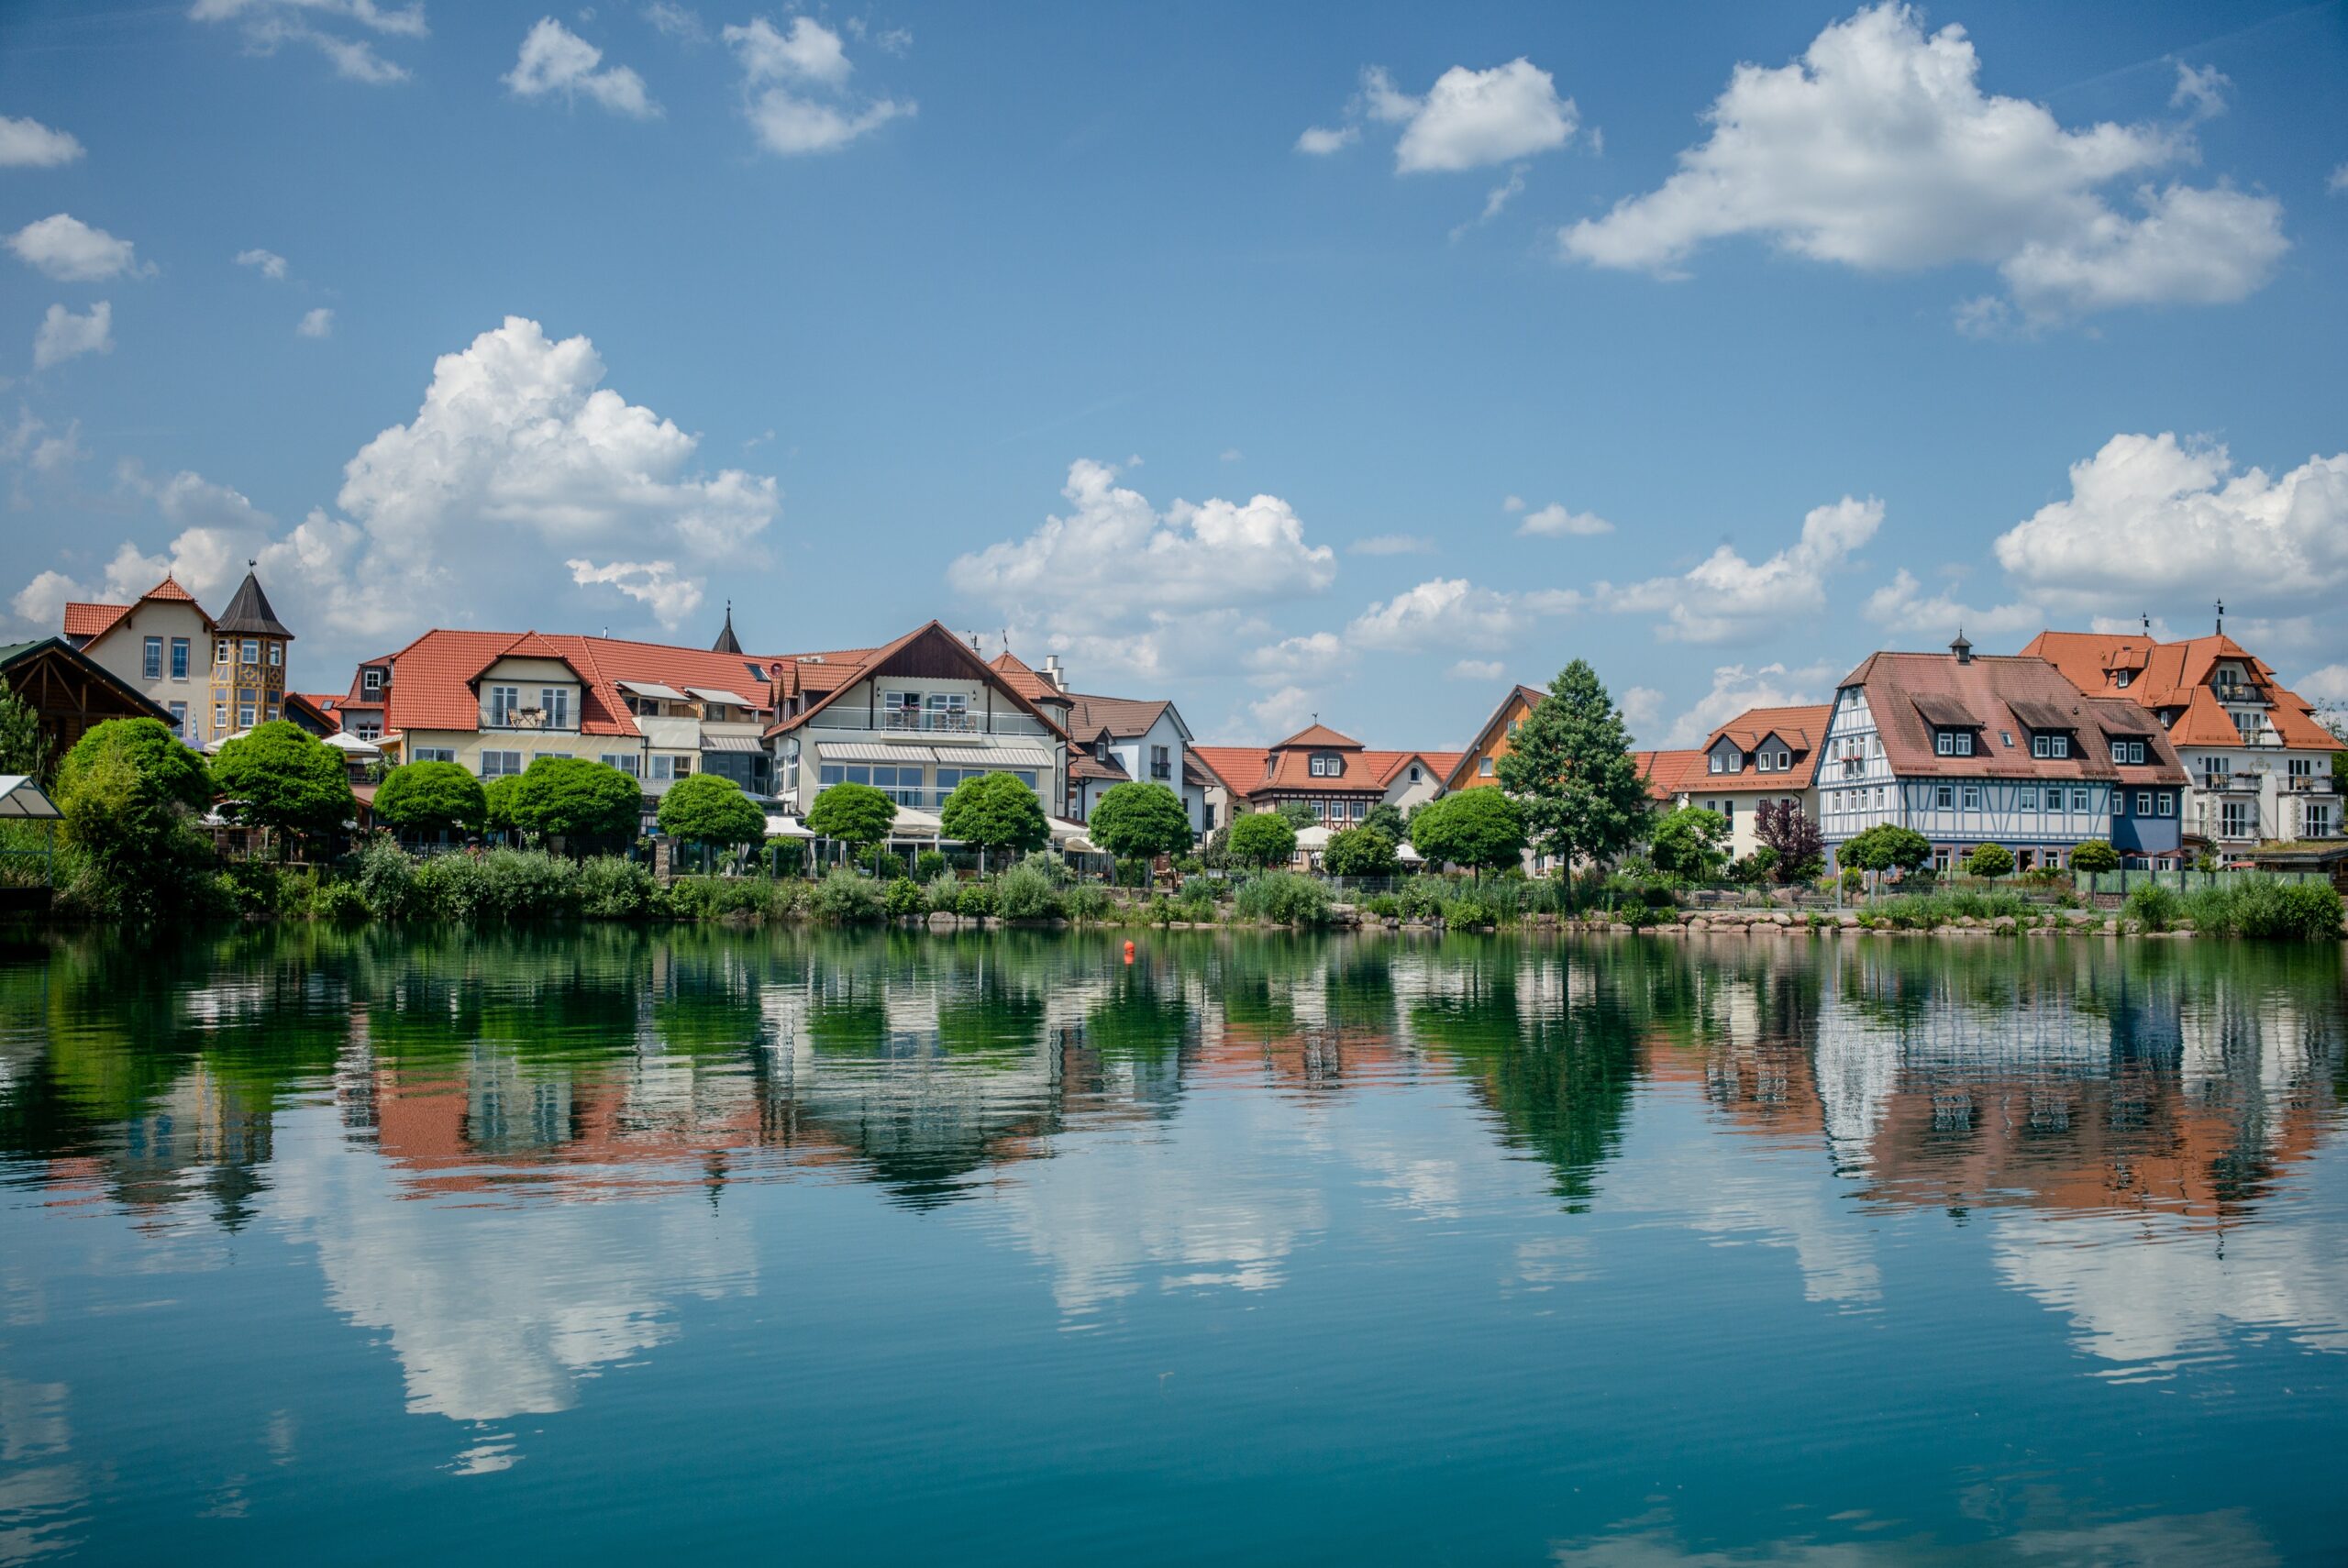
x,y
248,612
727,642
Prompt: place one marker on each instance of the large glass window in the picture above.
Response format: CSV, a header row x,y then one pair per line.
x,y
179,658
505,702
435,754
625,761
499,764
554,702
252,650
151,666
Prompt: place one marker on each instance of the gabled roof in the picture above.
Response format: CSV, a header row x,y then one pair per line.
x,y
933,633
1238,769
2173,679
1488,734
1028,681
1247,770
248,613
17,658
90,620
432,684
1989,686
1668,773
1119,716
1802,728
1320,737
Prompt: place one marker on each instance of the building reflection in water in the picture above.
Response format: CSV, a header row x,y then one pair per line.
x,y
459,1124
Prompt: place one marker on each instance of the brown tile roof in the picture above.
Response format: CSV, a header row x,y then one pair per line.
x,y
1083,764
91,620
432,677
1668,773
1802,728
1239,769
2174,678
1121,716
1321,736
1028,681
1987,688
932,631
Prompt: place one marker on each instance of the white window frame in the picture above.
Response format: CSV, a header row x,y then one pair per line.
x,y
505,702
150,661
435,754
554,702
1972,797
1943,797
370,680
625,761
503,758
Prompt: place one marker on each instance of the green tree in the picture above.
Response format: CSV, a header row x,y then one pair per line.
x,y
1388,818
855,814
2094,855
1261,839
497,802
1690,842
129,791
1480,829
431,797
994,811
1569,768
176,769
588,805
1886,846
1990,861
1140,822
711,809
24,745
1363,851
1298,814
281,776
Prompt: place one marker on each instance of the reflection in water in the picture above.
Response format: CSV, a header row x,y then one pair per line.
x,y
521,1161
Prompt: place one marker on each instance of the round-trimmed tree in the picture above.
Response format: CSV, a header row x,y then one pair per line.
x,y
1140,821
431,797
993,810
129,791
711,809
1886,846
1990,861
1388,818
167,764
855,815
279,776
1480,829
1363,851
1261,839
586,804
2094,855
1690,842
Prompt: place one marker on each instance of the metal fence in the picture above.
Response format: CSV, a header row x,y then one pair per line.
x,y
2118,884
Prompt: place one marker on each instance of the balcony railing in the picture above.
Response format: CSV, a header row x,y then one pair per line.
x,y
2310,784
2230,692
2246,783
528,719
931,720
839,717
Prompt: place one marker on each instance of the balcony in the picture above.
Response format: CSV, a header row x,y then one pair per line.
x,y
2230,691
2310,784
923,723
2231,783
529,719
931,720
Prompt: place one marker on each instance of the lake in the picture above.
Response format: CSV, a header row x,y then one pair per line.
x,y
609,1245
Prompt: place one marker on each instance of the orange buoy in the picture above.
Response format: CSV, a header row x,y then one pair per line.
x,y
1129,950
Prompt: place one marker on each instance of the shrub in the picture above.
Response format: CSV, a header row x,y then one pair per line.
x,y
902,899
386,879
1691,843
431,797
447,886
339,901
942,893
975,898
1087,901
786,854
1048,866
928,865
1359,852
1990,861
1132,873
1478,828
612,886
1754,869
527,884
887,866
1283,898
1025,893
2154,907
1385,906
2265,909
1476,912
846,898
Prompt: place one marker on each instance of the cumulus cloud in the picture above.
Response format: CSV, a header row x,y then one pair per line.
x,y
28,144
1315,657
1453,612
72,252
63,334
1734,688
1904,605
1877,150
1553,521
677,21
2154,515
39,447
794,88
267,263
1469,120
1477,669
317,323
1122,582
2327,687
1725,596
556,62
337,30
519,459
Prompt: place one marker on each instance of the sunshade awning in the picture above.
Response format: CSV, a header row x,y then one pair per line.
x,y
871,751
1312,838
652,689
994,757
20,797
732,743
910,822
787,827
343,740
719,694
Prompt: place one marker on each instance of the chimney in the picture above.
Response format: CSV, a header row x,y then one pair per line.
x,y
1054,673
1961,648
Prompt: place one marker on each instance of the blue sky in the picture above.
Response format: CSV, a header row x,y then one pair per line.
x,y
1280,361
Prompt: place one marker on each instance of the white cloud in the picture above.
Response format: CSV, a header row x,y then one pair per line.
x,y
1553,521
269,24
677,21
1495,199
72,252
317,323
1280,713
1393,545
1513,503
1469,120
652,583
269,263
780,70
2152,516
1877,150
36,446
63,334
1902,605
2327,687
2339,181
1642,711
1314,658
1725,596
1734,688
554,60
1477,669
28,144
1118,580
1443,613
518,456
1231,455
2200,92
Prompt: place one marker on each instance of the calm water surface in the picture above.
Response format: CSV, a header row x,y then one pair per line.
x,y
609,1246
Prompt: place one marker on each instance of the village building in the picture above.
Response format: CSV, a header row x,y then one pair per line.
x,y
212,677
1763,755
1332,774
1475,768
1969,749
2258,764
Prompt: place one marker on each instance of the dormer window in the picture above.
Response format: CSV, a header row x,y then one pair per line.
x,y
370,680
2124,678
1953,742
2054,747
1785,761
1766,761
1326,765
2128,751
1101,751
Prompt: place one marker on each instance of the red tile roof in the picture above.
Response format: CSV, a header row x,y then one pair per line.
x,y
1668,773
1801,728
1247,771
1320,735
934,632
169,588
2174,678
1239,767
1026,680
432,677
1987,688
91,620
